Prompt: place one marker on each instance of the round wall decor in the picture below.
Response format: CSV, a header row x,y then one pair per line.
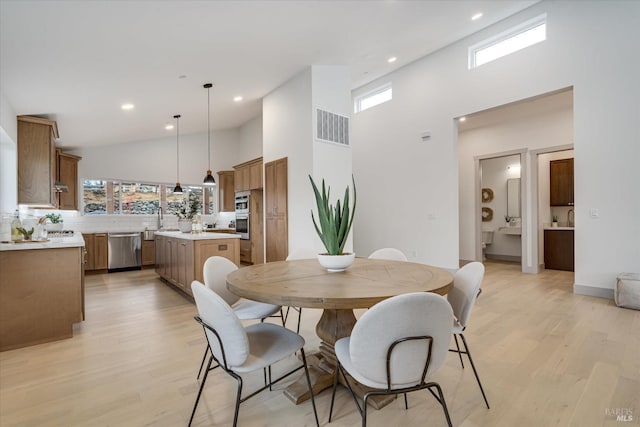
x,y
487,195
487,214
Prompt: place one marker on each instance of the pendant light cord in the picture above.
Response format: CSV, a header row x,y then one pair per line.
x,y
177,117
209,126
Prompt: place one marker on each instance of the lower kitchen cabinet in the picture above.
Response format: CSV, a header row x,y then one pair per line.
x,y
148,252
558,250
245,251
97,249
180,261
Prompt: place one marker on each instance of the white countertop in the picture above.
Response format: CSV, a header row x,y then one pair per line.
x,y
53,243
199,236
548,227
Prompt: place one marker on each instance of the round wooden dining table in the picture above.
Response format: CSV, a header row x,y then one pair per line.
x,y
304,283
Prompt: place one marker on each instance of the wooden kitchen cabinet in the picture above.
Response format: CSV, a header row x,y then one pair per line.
x,y
41,295
226,191
148,252
67,174
248,175
245,251
203,249
37,161
89,257
97,253
561,182
276,237
559,250
180,261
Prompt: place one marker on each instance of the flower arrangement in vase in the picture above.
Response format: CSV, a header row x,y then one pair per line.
x,y
334,226
186,210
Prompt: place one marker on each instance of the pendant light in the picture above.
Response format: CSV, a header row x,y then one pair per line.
x,y
209,180
177,189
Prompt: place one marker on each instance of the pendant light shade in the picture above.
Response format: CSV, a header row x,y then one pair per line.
x,y
209,179
177,189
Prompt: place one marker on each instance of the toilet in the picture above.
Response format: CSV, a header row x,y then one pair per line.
x,y
487,239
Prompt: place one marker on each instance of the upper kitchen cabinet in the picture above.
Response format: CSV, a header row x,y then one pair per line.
x,y
37,161
68,175
561,182
226,191
248,175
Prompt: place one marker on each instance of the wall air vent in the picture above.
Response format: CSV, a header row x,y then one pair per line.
x,y
331,127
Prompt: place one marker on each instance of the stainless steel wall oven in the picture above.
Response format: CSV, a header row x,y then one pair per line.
x,y
242,225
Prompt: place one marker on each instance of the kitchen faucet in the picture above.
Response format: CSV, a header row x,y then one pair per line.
x,y
160,221
569,219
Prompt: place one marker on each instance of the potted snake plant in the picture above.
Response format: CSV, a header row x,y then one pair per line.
x,y
333,226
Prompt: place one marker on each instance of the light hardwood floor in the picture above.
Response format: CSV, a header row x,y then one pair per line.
x,y
546,357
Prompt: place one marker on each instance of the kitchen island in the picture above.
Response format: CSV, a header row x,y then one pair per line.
x,y
180,256
41,290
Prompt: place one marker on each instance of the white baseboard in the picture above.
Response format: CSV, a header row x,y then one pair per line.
x,y
592,291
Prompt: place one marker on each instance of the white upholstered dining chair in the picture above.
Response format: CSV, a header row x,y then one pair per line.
x,y
392,254
239,350
462,297
215,273
396,347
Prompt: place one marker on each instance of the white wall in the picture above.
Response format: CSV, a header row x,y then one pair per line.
x,y
495,173
332,162
419,181
250,144
288,124
155,160
8,157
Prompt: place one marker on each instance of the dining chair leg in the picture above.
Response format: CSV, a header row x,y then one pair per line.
x,y
455,337
333,393
306,373
442,402
204,357
238,398
353,393
270,385
473,366
204,380
364,410
299,316
406,403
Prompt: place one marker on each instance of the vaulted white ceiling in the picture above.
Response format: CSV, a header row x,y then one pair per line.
x,y
78,62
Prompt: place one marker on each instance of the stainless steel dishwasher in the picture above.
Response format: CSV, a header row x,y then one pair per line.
x,y
124,252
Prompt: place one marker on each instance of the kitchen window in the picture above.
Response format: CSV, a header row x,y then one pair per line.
x,y
102,197
95,197
135,199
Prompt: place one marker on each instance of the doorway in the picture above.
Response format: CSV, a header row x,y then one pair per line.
x,y
525,128
501,209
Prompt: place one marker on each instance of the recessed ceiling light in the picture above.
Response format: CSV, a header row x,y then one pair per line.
x,y
392,60
237,98
127,106
168,126
476,16
462,119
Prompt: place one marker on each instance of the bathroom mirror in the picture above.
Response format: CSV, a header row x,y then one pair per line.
x,y
513,197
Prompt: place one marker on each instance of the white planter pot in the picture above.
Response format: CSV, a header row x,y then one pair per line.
x,y
185,225
55,227
335,263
